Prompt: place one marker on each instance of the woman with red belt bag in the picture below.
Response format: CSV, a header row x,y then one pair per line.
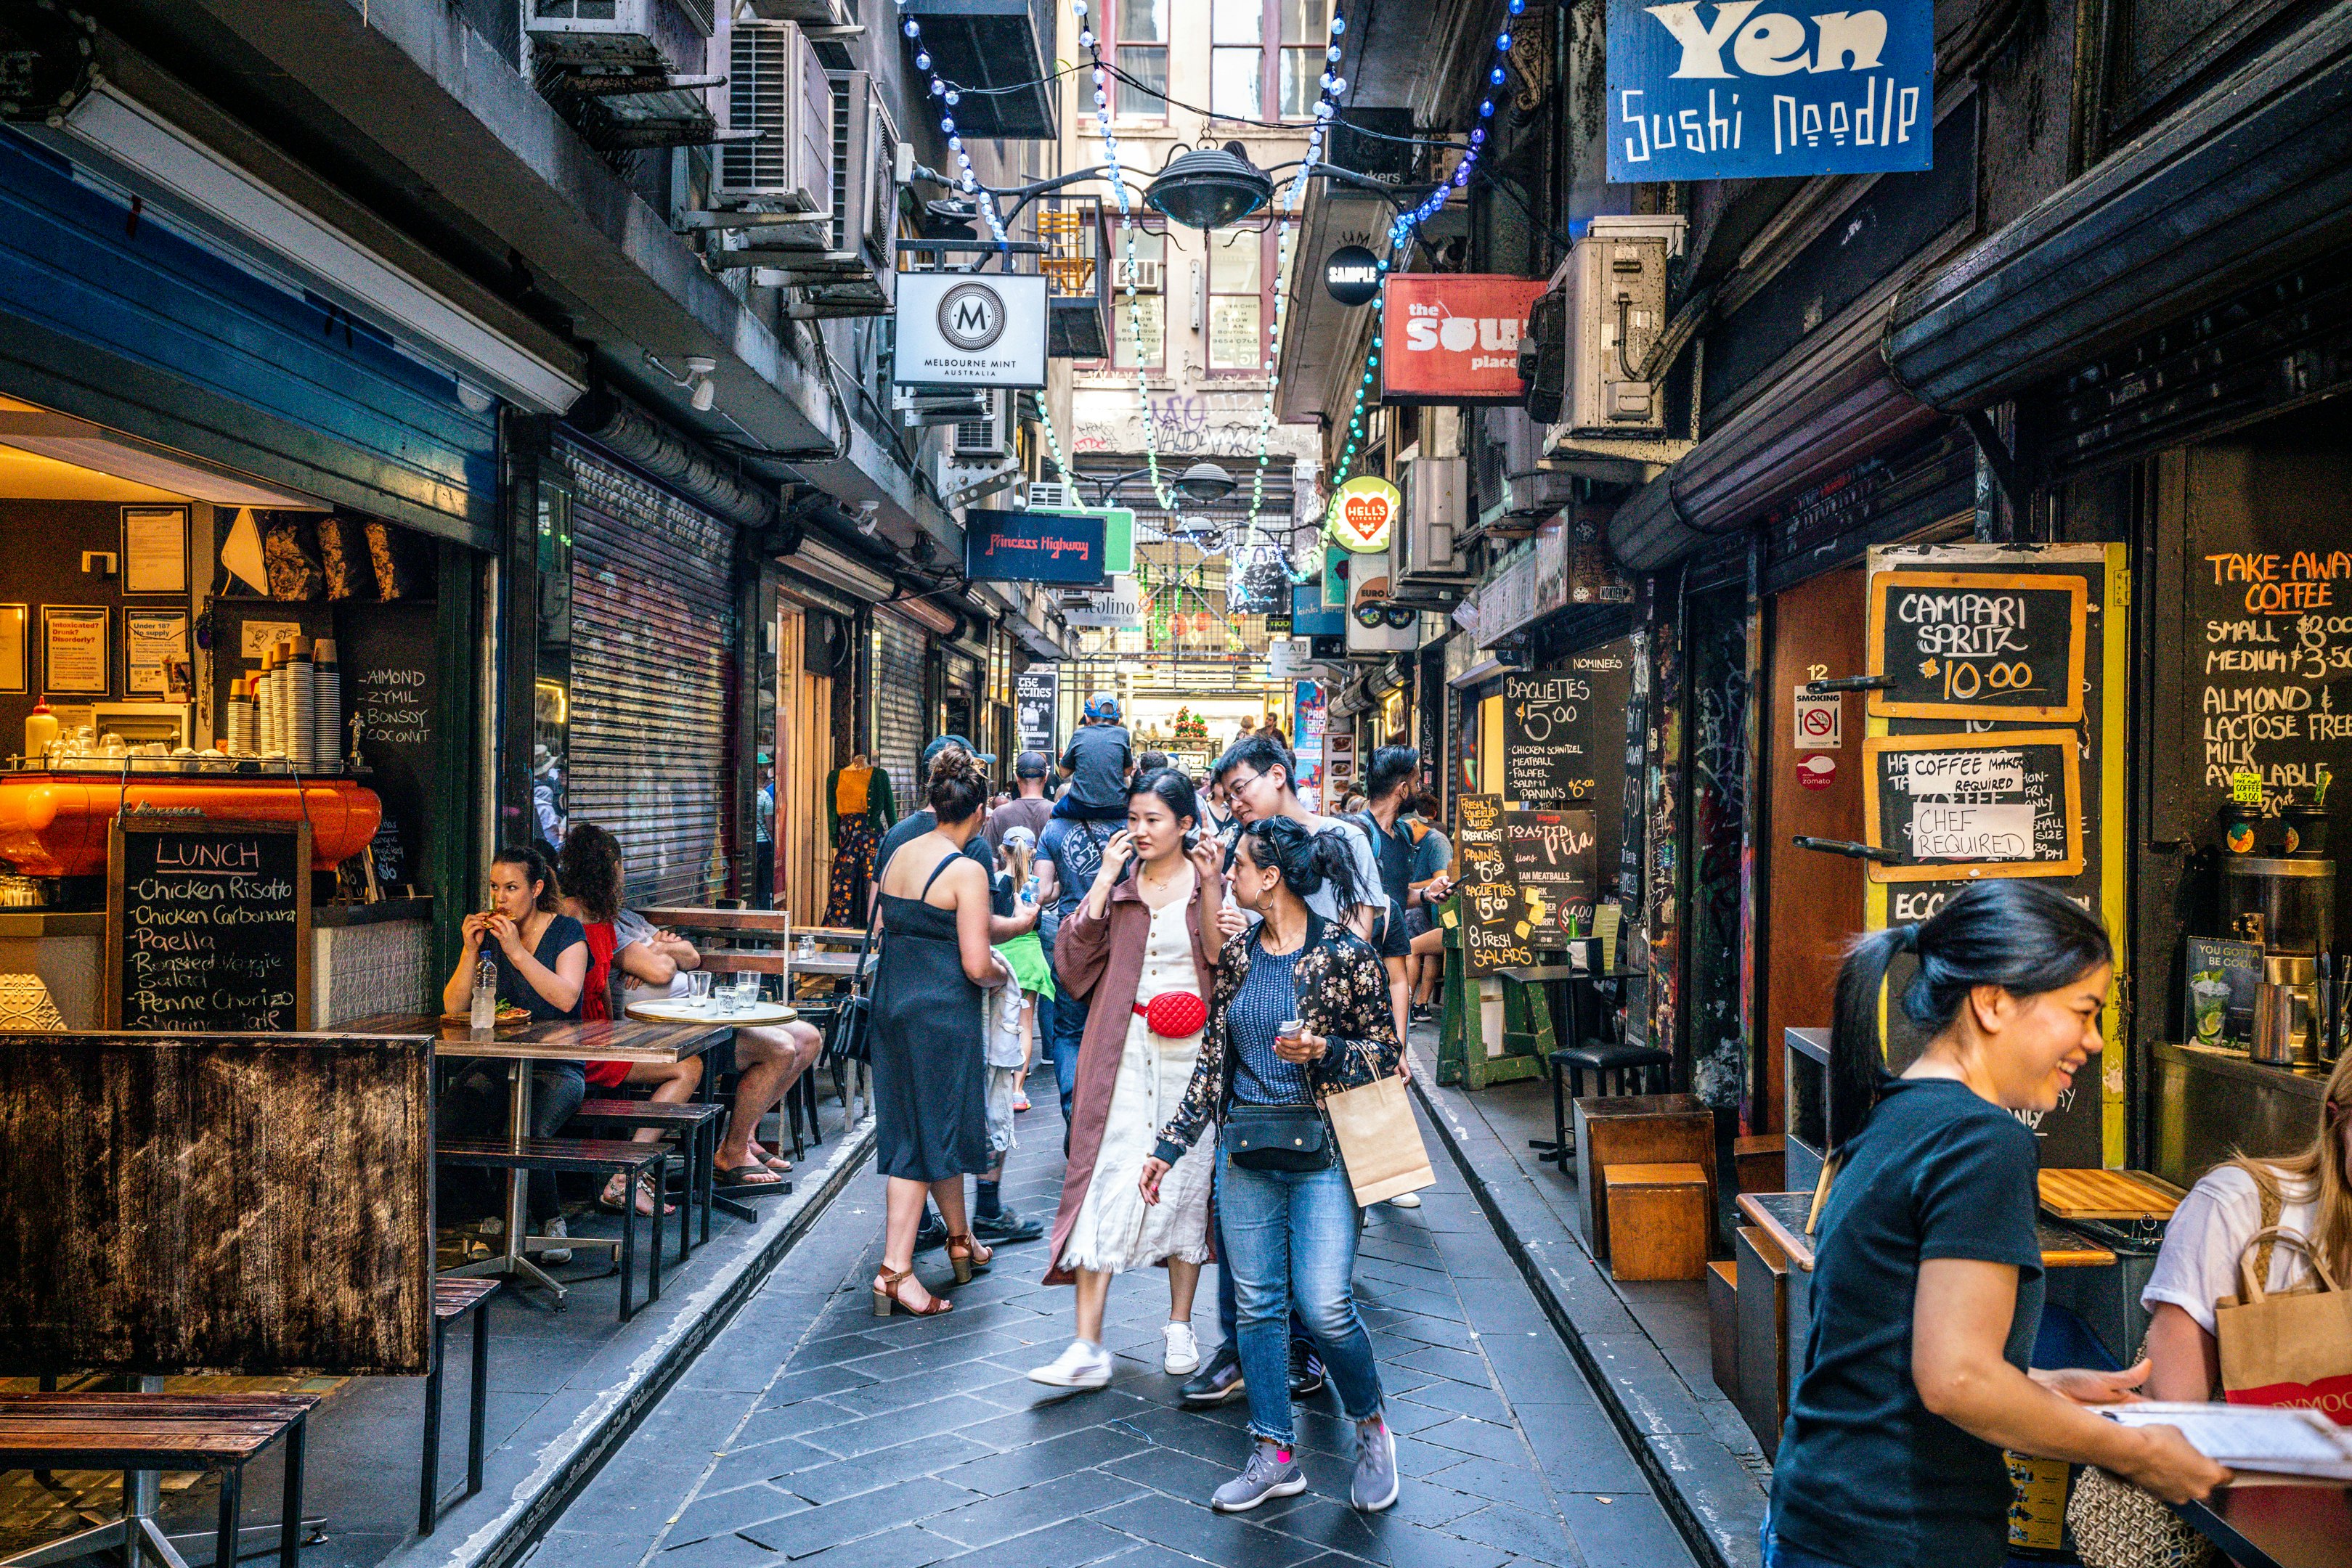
x,y
1141,949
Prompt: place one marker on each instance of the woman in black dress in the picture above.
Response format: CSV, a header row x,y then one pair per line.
x,y
930,1107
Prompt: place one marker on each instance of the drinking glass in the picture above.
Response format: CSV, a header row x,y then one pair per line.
x,y
747,991
697,984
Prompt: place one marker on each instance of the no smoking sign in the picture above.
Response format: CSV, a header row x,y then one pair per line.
x,y
1820,722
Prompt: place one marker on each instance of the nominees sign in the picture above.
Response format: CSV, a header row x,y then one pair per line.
x,y
1753,89
970,330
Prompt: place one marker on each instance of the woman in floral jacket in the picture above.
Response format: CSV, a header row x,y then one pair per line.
x,y
1301,1012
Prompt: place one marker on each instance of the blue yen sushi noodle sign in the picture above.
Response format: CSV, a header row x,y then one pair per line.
x,y
1756,87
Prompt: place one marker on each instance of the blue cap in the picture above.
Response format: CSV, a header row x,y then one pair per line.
x,y
1102,706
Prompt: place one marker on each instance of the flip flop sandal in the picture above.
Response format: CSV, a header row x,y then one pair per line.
x,y
645,1194
734,1178
778,1164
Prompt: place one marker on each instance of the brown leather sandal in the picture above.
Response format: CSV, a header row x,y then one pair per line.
x,y
887,1285
968,1257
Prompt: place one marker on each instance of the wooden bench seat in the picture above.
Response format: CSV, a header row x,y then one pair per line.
x,y
586,1155
452,1300
697,1123
145,1432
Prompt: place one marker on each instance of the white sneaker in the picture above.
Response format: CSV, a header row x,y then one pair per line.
x,y
555,1226
1083,1365
1405,1200
1182,1357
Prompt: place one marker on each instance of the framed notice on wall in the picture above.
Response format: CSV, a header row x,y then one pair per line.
x,y
15,648
155,654
76,649
155,549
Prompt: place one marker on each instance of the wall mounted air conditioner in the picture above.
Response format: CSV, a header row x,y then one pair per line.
x,y
1526,488
1617,310
580,30
776,86
1049,496
1150,276
865,181
918,409
807,13
1421,550
973,440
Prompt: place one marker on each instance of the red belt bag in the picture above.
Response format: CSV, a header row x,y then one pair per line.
x,y
1173,1015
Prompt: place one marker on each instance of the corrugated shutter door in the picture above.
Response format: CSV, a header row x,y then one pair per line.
x,y
899,737
653,654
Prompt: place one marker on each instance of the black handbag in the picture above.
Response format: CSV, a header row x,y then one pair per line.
x,y
1277,1137
853,1025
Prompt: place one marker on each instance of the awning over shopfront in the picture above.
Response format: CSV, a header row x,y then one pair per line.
x,y
2249,182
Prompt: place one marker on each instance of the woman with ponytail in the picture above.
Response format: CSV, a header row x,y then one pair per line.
x,y
1926,1290
1301,1012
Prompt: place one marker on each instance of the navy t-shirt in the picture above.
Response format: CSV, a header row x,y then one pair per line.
x,y
562,931
1098,757
1866,1474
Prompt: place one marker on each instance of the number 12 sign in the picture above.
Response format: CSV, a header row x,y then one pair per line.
x,y
1760,88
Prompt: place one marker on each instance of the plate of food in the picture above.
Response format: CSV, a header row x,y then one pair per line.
x,y
508,1015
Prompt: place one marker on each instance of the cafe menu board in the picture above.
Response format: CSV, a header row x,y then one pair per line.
x,y
2270,685
207,924
1549,856
390,688
1978,645
1494,928
2006,804
1563,733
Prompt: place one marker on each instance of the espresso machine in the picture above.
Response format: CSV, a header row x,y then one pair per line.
x,y
2286,906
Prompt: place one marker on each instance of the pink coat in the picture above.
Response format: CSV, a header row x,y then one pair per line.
x,y
1102,961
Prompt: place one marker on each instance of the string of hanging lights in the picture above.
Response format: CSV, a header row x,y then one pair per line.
x,y
1400,232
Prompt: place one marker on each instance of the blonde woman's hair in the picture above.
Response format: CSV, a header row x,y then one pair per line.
x,y
2316,1173
1014,857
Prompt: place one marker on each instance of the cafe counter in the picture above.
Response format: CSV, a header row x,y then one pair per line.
x,y
2212,1102
367,959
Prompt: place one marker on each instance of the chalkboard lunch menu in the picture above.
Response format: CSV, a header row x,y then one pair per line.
x,y
1562,737
1549,856
1494,926
207,924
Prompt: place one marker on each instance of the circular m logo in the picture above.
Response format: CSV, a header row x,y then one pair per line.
x,y
972,315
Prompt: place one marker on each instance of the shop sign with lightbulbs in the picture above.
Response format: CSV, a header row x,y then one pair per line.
x,y
1363,514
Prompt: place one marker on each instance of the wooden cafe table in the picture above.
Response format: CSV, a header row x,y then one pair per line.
x,y
518,1045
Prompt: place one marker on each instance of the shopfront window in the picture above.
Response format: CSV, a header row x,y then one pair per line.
x,y
1237,303
550,718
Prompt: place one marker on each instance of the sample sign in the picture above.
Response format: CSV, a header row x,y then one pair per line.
x,y
1759,89
1977,644
1351,275
970,330
207,926
1363,512
1550,858
1454,338
1033,547
1960,806
1033,695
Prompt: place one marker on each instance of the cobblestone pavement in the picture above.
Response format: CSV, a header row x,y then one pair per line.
x,y
813,1433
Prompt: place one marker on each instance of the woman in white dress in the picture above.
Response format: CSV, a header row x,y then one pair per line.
x,y
1141,950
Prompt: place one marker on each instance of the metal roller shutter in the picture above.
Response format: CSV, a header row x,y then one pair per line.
x,y
899,737
653,659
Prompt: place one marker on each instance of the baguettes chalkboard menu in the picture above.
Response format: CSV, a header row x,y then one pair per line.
x,y
1978,645
1493,911
207,924
1969,806
1550,858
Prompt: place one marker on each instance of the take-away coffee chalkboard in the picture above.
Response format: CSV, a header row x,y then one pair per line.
x,y
207,924
1978,644
1968,806
1551,857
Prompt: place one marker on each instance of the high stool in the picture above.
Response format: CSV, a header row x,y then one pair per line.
x,y
1603,1058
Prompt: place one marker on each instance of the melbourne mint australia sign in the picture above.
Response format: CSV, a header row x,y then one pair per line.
x,y
1756,87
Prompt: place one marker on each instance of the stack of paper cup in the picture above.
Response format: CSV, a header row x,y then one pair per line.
x,y
326,707
300,715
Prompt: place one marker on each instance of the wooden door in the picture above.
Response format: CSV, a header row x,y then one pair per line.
x,y
1812,901
804,757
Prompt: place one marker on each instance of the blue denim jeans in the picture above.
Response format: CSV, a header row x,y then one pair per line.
x,y
1779,1553
1069,1024
1290,1240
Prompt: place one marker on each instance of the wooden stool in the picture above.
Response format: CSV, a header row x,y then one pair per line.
x,y
1760,1160
1763,1396
1659,1218
1723,1326
1638,1130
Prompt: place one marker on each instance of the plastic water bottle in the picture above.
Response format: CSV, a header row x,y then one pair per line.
x,y
485,1014
1029,889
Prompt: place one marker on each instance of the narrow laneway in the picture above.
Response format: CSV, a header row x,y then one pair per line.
x,y
813,1433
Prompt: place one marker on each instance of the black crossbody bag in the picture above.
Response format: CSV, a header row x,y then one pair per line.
x,y
1277,1137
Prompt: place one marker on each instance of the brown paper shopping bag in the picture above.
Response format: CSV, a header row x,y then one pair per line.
x,y
1379,1141
2289,1349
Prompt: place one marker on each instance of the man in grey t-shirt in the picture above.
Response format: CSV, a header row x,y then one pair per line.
x,y
1096,761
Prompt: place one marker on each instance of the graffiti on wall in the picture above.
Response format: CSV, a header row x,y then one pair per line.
x,y
1192,425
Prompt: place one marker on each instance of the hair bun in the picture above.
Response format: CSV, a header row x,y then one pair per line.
x,y
954,763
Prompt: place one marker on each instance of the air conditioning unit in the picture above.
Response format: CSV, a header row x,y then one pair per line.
x,y
1525,487
1421,550
1150,276
1047,496
776,86
1617,310
919,409
807,13
972,440
584,31
864,179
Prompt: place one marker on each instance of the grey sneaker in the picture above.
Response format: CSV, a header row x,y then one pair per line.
x,y
1264,1477
1375,1485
